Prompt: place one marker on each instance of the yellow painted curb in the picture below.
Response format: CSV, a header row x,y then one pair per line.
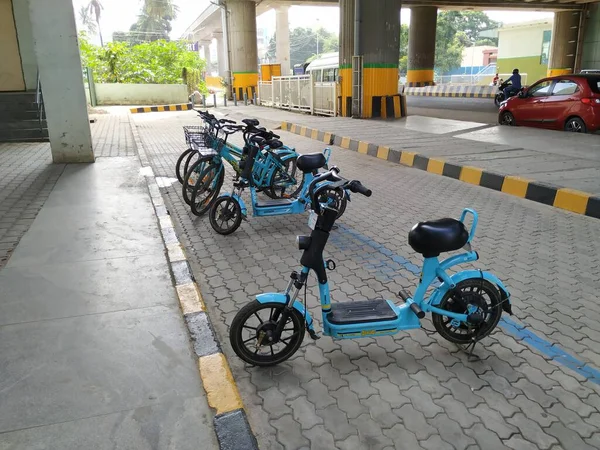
x,y
303,131
516,186
326,137
435,166
190,298
221,390
345,142
314,134
471,175
293,128
571,200
383,152
407,158
363,147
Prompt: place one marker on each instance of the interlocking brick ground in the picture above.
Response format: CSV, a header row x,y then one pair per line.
x,y
412,390
27,175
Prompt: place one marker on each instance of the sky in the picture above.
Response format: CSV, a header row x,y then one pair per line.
x,y
118,15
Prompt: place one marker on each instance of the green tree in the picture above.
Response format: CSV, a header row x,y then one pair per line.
x,y
403,63
96,7
153,23
303,44
87,20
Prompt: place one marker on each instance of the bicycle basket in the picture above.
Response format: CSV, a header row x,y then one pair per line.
x,y
197,138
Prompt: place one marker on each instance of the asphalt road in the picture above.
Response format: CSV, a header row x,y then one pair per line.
x,y
467,109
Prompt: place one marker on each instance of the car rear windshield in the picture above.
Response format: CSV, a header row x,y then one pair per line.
x,y
594,84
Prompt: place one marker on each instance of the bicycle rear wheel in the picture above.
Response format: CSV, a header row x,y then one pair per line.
x,y
285,182
206,190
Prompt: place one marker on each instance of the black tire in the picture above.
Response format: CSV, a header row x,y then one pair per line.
x,y
575,125
191,159
507,118
275,190
191,177
207,189
499,98
180,168
475,291
243,332
225,215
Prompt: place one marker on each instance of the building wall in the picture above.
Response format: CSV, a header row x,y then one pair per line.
x,y
26,46
140,94
520,46
11,73
591,44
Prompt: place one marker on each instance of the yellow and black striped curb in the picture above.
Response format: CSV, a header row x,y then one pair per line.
x,y
162,108
559,197
453,91
230,422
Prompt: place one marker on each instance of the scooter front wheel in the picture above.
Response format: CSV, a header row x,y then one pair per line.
x,y
252,333
225,215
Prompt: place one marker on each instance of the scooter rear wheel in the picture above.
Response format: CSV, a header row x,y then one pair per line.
x,y
481,295
258,321
225,215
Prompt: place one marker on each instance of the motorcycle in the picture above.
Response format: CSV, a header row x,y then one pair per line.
x,y
500,97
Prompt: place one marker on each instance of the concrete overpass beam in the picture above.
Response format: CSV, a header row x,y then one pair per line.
x,y
59,65
244,51
563,46
282,37
206,51
379,45
421,46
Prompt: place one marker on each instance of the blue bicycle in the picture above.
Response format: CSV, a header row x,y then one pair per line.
x,y
465,306
228,211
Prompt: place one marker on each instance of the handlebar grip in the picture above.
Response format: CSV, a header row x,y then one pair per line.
x,y
356,186
227,121
276,136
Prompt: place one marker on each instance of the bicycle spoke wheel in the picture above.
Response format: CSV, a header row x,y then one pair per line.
x,y
286,181
181,166
206,189
480,296
191,178
225,215
252,333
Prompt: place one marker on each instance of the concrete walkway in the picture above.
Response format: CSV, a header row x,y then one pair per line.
x,y
558,158
95,352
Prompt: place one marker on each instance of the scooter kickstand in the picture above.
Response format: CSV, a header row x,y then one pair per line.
x,y
471,357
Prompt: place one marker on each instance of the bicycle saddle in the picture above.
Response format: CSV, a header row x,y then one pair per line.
x,y
274,143
310,162
251,122
258,140
437,236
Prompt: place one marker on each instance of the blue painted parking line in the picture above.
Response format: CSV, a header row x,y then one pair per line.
x,y
384,264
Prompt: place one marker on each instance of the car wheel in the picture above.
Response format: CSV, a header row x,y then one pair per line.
x,y
506,118
575,125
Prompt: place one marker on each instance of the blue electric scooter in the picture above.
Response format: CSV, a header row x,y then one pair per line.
x,y
466,306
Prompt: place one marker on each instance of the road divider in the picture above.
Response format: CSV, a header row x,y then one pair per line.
x,y
559,197
162,108
452,91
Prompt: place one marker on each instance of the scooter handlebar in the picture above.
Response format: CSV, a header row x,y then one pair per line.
x,y
357,187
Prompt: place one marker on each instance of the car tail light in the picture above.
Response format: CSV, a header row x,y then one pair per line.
x,y
591,101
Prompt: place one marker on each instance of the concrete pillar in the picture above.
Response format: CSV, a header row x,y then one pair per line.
x,y
591,42
563,46
221,56
379,45
244,51
57,53
282,37
421,46
206,51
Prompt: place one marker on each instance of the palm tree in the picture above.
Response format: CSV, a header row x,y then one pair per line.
x,y
87,21
96,7
161,9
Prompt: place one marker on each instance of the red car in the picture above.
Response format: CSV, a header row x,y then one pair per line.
x,y
566,102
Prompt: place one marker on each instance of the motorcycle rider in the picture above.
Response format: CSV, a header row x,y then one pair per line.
x,y
515,87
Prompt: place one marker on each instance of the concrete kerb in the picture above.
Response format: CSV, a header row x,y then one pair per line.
x,y
452,91
230,422
162,108
556,196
